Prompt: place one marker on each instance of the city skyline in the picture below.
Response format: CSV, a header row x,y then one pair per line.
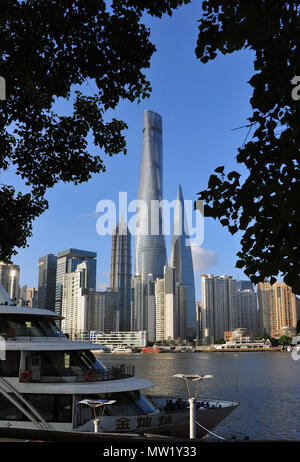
x,y
199,111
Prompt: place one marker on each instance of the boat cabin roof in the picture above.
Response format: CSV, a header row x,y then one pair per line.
x,y
20,310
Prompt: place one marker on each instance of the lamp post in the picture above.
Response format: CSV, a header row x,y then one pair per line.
x,y
94,403
192,399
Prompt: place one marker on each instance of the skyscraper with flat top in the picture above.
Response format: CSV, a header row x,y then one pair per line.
x,y
67,262
120,271
150,246
47,282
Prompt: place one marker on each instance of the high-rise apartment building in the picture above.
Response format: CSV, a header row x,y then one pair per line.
x,y
245,285
67,262
181,259
150,246
248,315
120,272
103,311
219,306
277,306
47,282
143,313
167,303
74,301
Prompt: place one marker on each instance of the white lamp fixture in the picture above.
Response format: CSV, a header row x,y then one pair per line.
x,y
192,378
95,403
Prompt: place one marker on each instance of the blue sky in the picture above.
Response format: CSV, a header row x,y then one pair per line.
x,y
200,105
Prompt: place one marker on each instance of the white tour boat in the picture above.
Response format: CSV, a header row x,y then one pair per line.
x,y
44,376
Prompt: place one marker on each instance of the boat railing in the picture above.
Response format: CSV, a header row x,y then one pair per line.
x,y
174,404
58,375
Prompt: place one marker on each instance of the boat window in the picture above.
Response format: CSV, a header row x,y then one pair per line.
x,y
70,362
8,411
54,408
10,366
128,403
24,326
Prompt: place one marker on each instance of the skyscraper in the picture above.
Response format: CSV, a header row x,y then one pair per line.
x,y
277,306
143,304
248,311
103,311
14,282
4,275
245,285
219,306
120,271
167,305
150,246
47,282
10,279
67,262
74,301
181,259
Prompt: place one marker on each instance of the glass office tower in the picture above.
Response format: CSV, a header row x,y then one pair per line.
x,y
120,272
181,259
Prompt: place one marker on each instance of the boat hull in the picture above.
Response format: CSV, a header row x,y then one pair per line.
x,y
175,424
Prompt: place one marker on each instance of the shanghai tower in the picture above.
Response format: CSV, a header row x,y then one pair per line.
x,y
181,259
150,246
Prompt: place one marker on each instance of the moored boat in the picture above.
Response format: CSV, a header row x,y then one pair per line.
x,y
44,376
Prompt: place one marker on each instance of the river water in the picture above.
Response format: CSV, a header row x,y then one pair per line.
x,y
267,386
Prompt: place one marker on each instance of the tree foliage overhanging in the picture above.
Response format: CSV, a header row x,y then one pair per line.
x,y
265,207
46,48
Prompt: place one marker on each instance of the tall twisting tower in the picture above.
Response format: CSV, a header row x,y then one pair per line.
x,y
150,246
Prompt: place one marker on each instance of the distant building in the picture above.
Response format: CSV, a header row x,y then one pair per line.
x,y
4,275
284,331
23,296
14,282
247,308
143,313
47,282
120,272
116,339
245,285
103,311
74,301
32,297
181,260
167,306
277,306
198,306
219,306
10,280
67,262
